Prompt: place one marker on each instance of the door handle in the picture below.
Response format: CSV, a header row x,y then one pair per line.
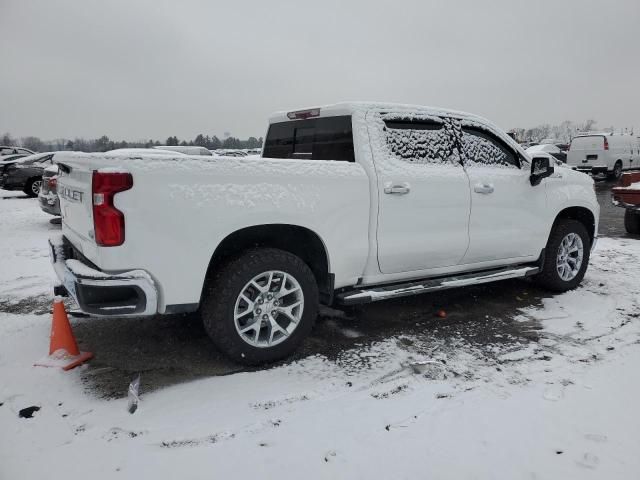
x,y
401,189
484,188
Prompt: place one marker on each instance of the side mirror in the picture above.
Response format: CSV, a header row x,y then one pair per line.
x,y
540,168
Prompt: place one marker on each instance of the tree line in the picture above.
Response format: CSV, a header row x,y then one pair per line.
x,y
563,132
104,143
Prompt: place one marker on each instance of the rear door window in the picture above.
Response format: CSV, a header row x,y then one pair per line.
x,y
421,141
327,138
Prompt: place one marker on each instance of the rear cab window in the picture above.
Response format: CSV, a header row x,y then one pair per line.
x,y
324,138
421,141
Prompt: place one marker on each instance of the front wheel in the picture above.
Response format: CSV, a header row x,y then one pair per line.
x,y
260,306
566,256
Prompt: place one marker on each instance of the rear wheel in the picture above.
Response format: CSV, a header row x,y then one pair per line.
x,y
32,188
617,171
566,256
260,306
632,222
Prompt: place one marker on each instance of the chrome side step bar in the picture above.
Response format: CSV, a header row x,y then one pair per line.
x,y
385,292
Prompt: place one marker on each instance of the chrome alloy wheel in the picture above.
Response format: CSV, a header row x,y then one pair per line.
x,y
570,255
268,309
35,187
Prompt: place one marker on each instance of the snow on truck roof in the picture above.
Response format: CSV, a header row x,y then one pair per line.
x,y
353,108
603,134
349,108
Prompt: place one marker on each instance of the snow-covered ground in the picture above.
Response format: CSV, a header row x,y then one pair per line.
x,y
24,258
564,405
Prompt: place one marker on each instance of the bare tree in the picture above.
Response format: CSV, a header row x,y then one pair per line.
x,y
32,143
7,140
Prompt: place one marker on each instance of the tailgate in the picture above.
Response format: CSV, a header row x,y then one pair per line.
x,y
74,191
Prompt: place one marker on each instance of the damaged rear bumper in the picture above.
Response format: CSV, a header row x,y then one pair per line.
x,y
100,293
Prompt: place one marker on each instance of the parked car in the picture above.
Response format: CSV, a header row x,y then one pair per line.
x,y
604,153
549,148
627,195
351,203
185,150
48,196
25,173
9,150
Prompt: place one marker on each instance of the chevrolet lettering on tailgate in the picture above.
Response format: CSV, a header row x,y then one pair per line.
x,y
71,195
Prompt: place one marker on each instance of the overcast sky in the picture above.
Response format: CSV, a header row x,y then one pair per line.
x,y
149,69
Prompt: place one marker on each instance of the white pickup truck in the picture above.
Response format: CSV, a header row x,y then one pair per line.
x,y
349,203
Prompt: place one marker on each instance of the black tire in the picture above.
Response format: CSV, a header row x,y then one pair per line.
x,y
223,288
617,171
632,222
549,278
30,187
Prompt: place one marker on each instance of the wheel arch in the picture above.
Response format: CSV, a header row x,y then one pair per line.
x,y
33,178
582,215
294,239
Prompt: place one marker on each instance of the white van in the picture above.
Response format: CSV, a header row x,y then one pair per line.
x,y
604,153
187,150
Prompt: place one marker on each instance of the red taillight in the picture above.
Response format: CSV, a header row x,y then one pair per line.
x,y
108,221
606,143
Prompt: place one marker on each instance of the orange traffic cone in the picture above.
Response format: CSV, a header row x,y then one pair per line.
x,y
63,349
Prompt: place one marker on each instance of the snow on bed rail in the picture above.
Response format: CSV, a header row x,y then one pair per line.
x,y
205,165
